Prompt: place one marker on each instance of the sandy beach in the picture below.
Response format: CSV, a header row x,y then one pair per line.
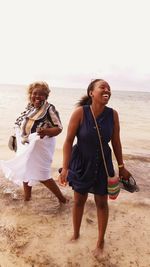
x,y
37,233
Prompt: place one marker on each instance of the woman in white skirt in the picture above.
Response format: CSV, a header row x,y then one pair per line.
x,y
35,131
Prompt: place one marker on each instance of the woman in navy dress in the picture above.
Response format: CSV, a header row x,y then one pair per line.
x,y
83,165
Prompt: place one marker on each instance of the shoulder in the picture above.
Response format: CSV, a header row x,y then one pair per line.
x,y
82,109
77,115
115,117
112,111
51,106
78,111
108,109
115,113
52,109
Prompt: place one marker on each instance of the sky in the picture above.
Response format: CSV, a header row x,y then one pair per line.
x,y
68,43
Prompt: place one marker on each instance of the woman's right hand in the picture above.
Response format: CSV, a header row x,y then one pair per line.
x,y
62,178
124,173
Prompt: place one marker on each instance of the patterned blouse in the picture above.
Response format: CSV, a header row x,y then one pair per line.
x,y
32,118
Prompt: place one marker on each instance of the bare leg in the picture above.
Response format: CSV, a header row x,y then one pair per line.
x,y
52,186
102,215
27,191
78,208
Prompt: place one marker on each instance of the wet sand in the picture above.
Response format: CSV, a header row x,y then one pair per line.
x,y
37,233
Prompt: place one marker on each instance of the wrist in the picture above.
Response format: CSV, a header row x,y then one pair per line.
x,y
62,169
65,169
121,165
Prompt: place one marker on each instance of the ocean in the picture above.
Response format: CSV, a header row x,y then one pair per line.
x,y
133,109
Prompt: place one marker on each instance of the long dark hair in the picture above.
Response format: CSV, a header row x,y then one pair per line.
x,y
86,99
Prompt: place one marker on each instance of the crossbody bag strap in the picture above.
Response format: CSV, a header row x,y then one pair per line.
x,y
100,141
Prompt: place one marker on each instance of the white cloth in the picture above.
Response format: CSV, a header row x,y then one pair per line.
x,y
32,162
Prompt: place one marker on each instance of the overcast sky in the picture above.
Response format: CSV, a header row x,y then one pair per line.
x,y
70,42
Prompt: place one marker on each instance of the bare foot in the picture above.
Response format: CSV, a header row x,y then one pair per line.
x,y
98,252
74,238
27,198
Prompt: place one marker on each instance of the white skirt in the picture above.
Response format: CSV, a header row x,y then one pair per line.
x,y
32,162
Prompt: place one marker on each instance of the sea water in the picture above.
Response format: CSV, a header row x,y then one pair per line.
x,y
133,109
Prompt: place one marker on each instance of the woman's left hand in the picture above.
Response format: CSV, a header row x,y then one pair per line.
x,y
42,132
124,173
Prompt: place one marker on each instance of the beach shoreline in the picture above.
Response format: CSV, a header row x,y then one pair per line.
x,y
36,233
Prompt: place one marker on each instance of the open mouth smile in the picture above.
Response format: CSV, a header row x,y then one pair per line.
x,y
106,96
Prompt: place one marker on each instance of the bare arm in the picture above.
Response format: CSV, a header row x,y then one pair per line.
x,y
117,148
116,143
73,126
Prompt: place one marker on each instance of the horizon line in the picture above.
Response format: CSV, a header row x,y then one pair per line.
x,y
76,88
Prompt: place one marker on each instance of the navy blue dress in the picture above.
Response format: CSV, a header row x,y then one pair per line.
x,y
86,169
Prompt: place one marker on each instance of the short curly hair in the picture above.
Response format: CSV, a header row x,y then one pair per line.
x,y
42,85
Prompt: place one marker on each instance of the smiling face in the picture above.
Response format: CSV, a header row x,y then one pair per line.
x,y
100,92
38,92
38,97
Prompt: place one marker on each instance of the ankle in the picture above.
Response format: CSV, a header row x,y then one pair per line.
x,y
100,244
75,237
27,198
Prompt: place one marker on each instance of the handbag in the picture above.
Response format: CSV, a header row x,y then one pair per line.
x,y
113,185
12,143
